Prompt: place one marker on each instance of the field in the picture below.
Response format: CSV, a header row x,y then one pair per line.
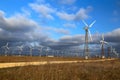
x,y
107,70
4,59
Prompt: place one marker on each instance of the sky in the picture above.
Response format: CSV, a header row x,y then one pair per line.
x,y
58,23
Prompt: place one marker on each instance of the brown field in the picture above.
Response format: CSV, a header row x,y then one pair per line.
x,y
4,59
107,70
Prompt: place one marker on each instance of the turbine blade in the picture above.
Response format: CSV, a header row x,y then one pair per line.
x,y
92,23
7,44
90,35
85,23
105,42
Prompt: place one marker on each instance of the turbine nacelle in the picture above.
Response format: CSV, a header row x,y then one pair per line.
x,y
86,28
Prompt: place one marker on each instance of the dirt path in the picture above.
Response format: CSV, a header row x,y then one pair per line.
x,y
7,65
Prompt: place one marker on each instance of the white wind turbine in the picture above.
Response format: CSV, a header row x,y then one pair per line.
x,y
87,32
115,52
47,50
31,50
103,42
40,48
6,48
20,48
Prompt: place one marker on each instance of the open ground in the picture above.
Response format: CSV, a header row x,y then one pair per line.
x,y
70,69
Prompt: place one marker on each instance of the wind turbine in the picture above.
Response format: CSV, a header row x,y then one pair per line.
x,y
40,49
20,48
87,32
6,48
102,46
115,52
47,51
111,50
31,49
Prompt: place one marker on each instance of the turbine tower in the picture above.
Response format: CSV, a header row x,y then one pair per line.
x,y
102,46
87,32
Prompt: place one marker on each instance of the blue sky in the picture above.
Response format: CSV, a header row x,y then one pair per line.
x,y
58,20
105,12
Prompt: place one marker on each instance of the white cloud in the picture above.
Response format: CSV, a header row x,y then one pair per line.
x,y
115,32
66,16
57,30
26,11
18,23
66,42
79,38
44,10
18,27
70,25
61,30
1,13
81,14
113,36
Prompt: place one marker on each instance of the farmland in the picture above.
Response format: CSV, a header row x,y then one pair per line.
x,y
105,70
4,59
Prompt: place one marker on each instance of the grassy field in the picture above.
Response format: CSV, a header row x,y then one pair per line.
x,y
108,70
36,58
4,59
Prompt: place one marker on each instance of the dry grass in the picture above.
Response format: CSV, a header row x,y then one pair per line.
x,y
35,58
108,70
4,59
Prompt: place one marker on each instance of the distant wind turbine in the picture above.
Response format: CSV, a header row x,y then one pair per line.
x,y
47,50
31,50
6,48
103,42
115,52
40,49
20,48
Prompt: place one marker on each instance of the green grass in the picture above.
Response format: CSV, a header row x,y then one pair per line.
x,y
108,70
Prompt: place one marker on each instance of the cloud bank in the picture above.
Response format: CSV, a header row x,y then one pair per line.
x,y
19,28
